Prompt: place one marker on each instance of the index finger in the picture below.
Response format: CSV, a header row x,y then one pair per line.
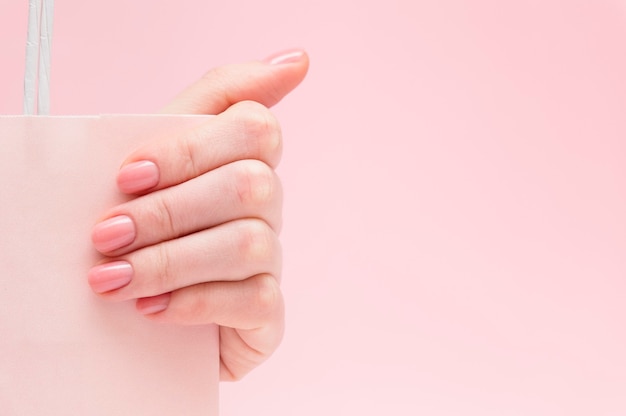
x,y
247,130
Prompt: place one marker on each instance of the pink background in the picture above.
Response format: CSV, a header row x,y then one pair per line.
x,y
455,189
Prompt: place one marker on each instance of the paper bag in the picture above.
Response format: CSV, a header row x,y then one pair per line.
x,y
64,351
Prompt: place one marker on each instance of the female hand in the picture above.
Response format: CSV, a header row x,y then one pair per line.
x,y
200,243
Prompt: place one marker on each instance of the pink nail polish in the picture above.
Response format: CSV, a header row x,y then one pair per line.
x,y
110,276
285,57
113,233
153,304
138,176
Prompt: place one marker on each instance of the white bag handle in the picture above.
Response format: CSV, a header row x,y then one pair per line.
x,y
40,17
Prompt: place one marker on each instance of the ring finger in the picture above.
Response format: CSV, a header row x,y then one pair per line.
x,y
229,252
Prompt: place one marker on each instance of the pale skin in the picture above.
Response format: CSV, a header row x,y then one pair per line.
x,y
200,243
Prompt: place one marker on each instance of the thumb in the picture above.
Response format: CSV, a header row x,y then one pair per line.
x,y
266,81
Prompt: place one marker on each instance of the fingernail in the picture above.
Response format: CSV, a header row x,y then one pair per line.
x,y
110,276
138,176
113,233
153,304
285,57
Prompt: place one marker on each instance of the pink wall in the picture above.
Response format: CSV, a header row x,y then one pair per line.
x,y
455,189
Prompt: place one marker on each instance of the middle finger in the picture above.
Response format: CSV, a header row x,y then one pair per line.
x,y
242,189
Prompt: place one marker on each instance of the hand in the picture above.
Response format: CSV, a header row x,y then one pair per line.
x,y
200,243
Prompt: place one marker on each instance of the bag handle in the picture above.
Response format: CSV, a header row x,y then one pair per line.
x,y
40,16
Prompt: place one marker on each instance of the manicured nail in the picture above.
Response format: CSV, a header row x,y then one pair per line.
x,y
285,57
138,176
110,276
113,233
153,304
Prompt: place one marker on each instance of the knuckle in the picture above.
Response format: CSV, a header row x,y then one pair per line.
x,y
262,131
256,184
268,296
216,74
162,215
167,221
163,272
186,154
155,215
197,309
257,242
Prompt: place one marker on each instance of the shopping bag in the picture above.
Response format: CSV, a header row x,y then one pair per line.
x,y
63,350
